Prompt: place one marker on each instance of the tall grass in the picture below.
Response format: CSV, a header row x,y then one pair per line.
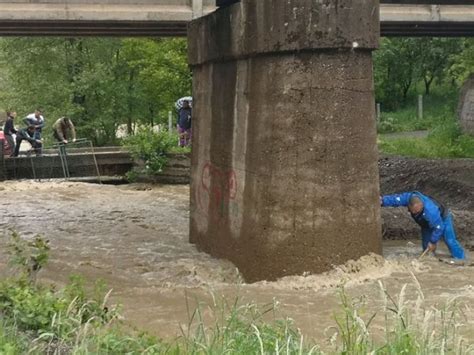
x,y
444,141
411,326
438,108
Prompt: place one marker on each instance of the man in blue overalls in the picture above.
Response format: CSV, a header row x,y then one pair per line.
x,y
435,220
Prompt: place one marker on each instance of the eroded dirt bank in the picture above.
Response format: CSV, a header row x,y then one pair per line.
x,y
135,237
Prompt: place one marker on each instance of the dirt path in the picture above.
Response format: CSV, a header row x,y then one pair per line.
x,y
410,134
136,239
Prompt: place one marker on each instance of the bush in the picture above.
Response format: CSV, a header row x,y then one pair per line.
x,y
151,148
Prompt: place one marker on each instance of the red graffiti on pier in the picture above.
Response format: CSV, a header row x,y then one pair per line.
x,y
217,191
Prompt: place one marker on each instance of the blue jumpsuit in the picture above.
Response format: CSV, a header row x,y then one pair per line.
x,y
434,223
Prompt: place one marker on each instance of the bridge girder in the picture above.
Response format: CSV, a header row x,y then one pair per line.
x,y
160,18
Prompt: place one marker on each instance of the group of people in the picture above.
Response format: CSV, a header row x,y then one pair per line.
x,y
32,132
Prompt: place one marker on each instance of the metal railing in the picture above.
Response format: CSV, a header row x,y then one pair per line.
x,y
63,156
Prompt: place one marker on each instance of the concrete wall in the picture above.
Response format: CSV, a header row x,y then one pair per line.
x,y
284,165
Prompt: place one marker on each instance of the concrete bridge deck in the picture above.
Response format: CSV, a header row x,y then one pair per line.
x,y
170,17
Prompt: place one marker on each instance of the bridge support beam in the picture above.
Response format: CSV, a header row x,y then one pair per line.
x,y
284,163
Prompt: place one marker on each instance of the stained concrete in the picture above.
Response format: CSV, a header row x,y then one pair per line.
x,y
49,166
284,166
466,106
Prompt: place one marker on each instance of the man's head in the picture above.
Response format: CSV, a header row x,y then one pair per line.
x,y
38,112
415,206
11,114
185,104
31,128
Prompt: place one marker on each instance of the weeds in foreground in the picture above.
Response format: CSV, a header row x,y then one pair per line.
x,y
409,326
39,319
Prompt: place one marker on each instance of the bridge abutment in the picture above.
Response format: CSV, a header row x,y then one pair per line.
x,y
284,165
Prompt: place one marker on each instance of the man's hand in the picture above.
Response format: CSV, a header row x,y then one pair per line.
x,y
74,140
381,200
65,141
431,247
39,141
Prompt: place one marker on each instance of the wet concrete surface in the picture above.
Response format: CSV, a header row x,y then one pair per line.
x,y
135,237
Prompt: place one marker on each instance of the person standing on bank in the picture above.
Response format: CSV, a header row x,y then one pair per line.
x,y
435,220
28,135
36,119
61,129
9,130
184,124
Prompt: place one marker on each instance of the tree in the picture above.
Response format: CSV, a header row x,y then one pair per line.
x,y
100,82
396,69
436,55
402,63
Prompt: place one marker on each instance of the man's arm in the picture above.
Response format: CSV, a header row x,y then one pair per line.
x,y
27,136
40,123
59,132
396,200
9,128
435,221
73,130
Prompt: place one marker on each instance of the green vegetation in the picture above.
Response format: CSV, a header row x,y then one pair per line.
x,y
100,83
103,83
445,141
39,319
407,67
152,151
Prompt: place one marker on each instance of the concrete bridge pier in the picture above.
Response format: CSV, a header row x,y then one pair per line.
x,y
284,163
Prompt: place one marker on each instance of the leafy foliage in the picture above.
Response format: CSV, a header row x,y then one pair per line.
x,y
99,82
402,63
150,148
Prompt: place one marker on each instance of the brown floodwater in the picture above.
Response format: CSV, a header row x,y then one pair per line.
x,y
135,238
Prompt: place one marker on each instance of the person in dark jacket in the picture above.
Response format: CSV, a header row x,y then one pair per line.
x,y
28,135
435,220
184,124
9,130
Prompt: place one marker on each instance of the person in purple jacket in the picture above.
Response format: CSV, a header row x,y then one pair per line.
x,y
435,220
184,124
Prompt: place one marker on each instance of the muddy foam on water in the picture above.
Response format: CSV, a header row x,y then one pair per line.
x,y
135,237
354,272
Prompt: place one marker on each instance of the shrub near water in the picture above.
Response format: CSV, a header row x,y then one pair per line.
x,y
152,149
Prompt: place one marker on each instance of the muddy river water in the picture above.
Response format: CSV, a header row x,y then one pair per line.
x,y
135,237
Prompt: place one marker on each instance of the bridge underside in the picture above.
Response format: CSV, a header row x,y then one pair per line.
x,y
93,28
427,29
75,19
178,29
